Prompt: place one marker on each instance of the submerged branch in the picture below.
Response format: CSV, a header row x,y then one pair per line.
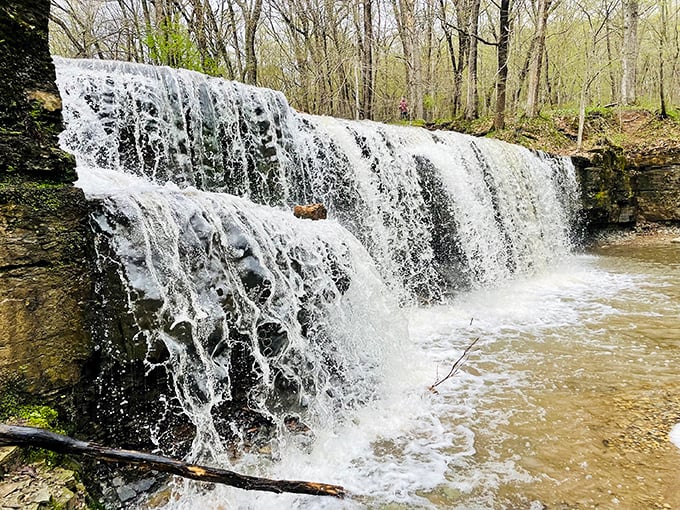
x,y
29,436
455,366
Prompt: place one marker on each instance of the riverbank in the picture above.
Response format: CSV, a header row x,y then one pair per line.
x,y
642,234
640,134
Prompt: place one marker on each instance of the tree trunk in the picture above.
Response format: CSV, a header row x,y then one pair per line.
x,y
30,436
252,19
663,38
366,108
455,66
533,107
612,80
629,52
404,12
472,106
501,81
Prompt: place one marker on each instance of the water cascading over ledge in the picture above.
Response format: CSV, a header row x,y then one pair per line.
x,y
227,303
436,210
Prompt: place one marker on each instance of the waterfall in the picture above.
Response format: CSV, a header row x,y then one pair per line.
x,y
221,288
243,306
437,211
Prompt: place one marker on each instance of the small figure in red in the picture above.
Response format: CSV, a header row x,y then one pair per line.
x,y
403,108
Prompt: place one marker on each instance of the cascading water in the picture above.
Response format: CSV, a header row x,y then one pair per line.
x,y
436,211
228,294
244,307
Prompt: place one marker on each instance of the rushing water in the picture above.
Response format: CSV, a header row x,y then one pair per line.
x,y
339,327
566,402
436,211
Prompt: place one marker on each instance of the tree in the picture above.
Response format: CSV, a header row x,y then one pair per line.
x,y
532,106
502,75
472,107
405,14
366,55
251,16
629,53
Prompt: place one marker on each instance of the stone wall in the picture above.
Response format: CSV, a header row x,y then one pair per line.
x,y
657,190
620,192
44,237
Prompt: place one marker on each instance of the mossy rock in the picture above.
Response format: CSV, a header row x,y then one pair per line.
x,y
30,108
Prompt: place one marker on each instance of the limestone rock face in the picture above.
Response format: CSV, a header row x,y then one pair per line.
x,y
607,195
44,237
658,192
44,288
617,191
30,108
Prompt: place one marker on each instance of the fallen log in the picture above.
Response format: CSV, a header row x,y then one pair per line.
x,y
311,211
12,435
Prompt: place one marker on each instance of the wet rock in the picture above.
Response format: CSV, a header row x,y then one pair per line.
x,y
30,108
126,493
45,290
9,456
42,487
622,190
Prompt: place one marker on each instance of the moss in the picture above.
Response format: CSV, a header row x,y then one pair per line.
x,y
14,409
602,198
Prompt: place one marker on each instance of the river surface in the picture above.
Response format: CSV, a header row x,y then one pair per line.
x,y
566,401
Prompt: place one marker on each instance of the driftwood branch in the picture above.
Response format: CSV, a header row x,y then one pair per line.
x,y
11,435
455,366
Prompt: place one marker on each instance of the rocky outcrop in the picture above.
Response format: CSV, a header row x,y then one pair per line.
x,y
657,190
44,238
45,285
621,191
30,107
37,485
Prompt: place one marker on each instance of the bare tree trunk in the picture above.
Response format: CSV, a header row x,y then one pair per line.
x,y
221,50
502,78
663,39
455,65
366,108
405,15
233,26
251,16
472,106
629,52
522,78
612,80
532,107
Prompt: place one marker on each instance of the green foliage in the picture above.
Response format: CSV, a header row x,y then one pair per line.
x,y
170,44
34,415
602,198
12,409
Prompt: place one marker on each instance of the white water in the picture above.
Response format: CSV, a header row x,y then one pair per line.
x,y
522,424
414,215
674,436
436,211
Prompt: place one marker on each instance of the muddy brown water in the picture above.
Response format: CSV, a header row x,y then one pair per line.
x,y
566,402
588,424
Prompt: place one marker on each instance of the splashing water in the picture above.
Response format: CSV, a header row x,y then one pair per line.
x,y
436,211
245,307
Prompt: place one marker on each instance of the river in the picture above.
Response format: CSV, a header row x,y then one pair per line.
x,y
566,401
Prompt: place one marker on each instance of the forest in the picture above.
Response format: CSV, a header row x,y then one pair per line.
x,y
451,59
